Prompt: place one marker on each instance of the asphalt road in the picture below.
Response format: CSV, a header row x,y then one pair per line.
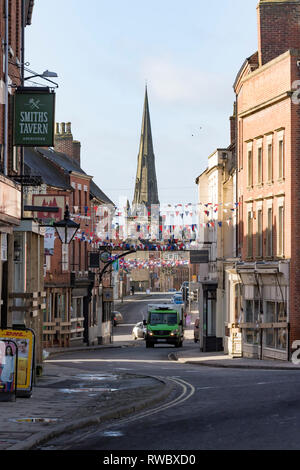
x,y
210,409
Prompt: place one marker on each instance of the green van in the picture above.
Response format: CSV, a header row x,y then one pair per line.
x,y
164,325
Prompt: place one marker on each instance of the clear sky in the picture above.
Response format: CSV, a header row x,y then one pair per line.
x,y
104,52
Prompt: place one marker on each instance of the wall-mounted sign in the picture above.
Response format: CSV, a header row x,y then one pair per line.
x,y
199,256
108,295
49,239
25,341
34,117
3,246
94,260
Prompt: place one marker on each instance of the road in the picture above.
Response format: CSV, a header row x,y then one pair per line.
x,y
210,409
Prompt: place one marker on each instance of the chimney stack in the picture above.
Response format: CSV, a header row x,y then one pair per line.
x,y
233,126
278,28
64,143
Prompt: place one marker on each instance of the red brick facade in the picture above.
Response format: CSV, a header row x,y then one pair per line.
x,y
278,28
14,72
269,165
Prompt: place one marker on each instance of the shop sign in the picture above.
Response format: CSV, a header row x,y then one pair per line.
x,y
49,241
236,343
108,295
199,256
34,116
25,341
3,246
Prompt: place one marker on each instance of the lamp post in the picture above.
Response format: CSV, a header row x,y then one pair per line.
x,y
45,76
66,229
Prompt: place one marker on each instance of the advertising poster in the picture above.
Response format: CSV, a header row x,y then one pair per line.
x,y
49,241
8,367
24,340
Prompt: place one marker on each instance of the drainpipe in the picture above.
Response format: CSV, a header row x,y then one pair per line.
x,y
23,24
236,178
5,160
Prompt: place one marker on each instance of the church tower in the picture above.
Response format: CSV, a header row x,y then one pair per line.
x,y
146,192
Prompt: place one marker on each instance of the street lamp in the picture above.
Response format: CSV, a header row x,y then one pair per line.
x,y
66,229
45,76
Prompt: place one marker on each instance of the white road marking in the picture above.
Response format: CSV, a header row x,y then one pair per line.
x,y
188,391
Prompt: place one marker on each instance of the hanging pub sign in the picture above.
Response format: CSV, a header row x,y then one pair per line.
x,y
34,117
25,341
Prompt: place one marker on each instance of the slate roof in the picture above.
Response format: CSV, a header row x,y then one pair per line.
x,y
69,165
37,165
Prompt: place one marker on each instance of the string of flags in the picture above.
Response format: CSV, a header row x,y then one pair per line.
x,y
142,264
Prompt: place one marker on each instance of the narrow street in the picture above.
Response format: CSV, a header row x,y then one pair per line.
x,y
210,408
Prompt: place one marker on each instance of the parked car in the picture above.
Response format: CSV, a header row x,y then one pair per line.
x,y
116,318
197,330
139,330
178,298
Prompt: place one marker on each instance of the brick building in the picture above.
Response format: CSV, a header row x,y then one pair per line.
x,y
21,280
268,123
74,313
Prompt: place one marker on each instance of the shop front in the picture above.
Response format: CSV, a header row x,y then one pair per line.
x,y
264,318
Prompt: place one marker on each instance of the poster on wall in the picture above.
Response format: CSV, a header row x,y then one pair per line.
x,y
25,341
8,370
49,239
34,117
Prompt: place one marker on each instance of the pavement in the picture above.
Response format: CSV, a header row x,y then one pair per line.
x,y
65,399
194,356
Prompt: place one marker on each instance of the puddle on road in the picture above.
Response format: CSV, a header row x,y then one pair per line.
x,y
95,377
88,390
113,434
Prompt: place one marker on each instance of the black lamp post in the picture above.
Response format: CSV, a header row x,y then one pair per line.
x,y
66,229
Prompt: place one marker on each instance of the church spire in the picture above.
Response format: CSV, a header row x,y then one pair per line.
x,y
146,192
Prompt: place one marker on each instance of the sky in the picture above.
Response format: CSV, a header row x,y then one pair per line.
x,y
104,53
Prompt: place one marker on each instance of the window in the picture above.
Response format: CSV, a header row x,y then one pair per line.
x,y
252,309
276,337
250,235
250,168
280,231
249,311
270,162
270,232
15,159
259,234
259,166
270,312
281,159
